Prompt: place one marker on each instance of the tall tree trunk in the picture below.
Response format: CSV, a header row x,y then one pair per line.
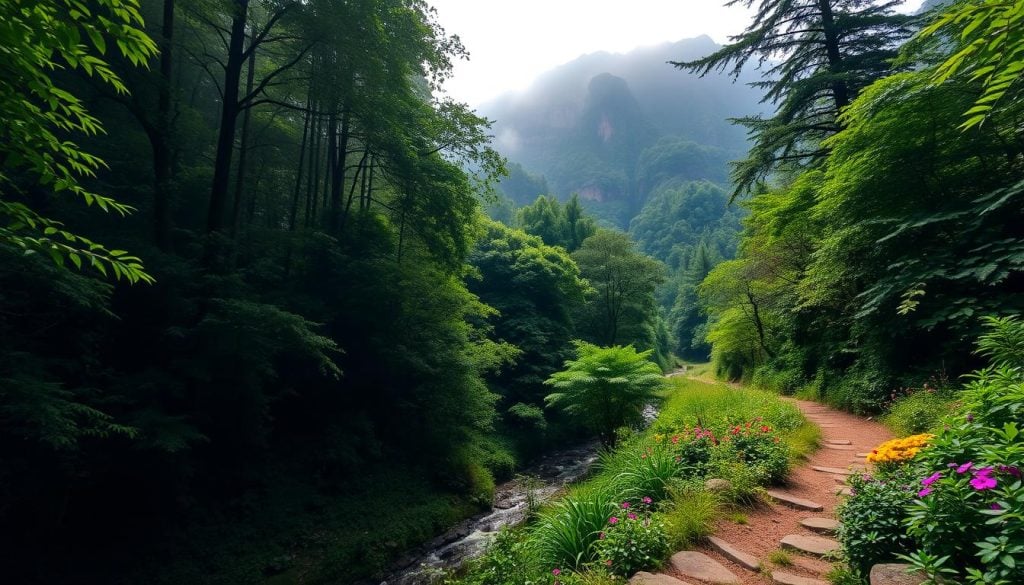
x,y
161,139
840,92
294,212
313,185
338,174
228,119
243,147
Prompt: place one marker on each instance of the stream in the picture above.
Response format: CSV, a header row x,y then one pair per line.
x,y
537,483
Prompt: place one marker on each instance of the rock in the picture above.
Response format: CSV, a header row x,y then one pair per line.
x,y
717,486
822,525
838,447
794,501
703,568
815,545
787,579
844,491
645,578
894,574
833,470
838,441
747,561
863,455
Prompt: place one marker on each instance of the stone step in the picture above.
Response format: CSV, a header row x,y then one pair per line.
x,y
645,578
839,447
863,455
844,491
827,425
838,441
789,579
700,566
822,525
815,545
747,561
794,501
894,574
833,470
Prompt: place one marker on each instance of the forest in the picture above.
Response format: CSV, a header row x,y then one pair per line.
x,y
274,308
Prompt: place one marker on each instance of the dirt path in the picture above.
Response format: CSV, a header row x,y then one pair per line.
x,y
768,525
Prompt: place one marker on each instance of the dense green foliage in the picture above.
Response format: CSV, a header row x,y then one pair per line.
x,y
954,509
869,271
557,224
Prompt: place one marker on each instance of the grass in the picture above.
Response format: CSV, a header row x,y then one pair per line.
x,y
718,407
738,518
919,412
780,557
691,516
803,440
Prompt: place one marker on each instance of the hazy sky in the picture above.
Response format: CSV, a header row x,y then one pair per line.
x,y
512,41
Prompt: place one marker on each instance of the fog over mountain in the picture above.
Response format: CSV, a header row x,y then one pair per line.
x,y
611,127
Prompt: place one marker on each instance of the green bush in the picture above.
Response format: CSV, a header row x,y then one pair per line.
x,y
634,540
644,470
871,529
508,560
758,448
919,412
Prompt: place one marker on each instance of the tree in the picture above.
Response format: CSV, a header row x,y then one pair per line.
x,y
622,308
821,53
557,224
605,387
36,155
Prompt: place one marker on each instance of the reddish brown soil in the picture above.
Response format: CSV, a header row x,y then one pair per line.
x,y
767,524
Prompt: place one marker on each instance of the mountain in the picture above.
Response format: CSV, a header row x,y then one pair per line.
x,y
613,126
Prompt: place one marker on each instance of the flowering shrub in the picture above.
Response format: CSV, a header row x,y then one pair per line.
x,y
692,450
756,446
871,522
634,540
898,451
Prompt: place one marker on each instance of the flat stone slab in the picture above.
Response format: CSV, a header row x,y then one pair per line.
x,y
793,501
844,491
894,574
832,470
838,447
789,579
838,441
645,578
700,566
747,561
822,525
815,545
863,455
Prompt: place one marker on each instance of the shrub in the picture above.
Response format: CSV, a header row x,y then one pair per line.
x,y
634,540
508,560
757,447
871,528
647,469
919,412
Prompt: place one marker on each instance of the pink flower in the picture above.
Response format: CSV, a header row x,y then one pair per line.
x,y
631,516
613,520
608,563
931,479
646,500
965,467
556,572
600,535
625,505
924,492
983,479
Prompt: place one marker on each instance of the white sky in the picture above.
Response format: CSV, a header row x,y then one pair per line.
x,y
513,41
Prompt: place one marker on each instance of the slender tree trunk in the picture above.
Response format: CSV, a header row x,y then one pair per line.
x,y
313,185
293,214
228,119
338,175
162,156
243,147
840,92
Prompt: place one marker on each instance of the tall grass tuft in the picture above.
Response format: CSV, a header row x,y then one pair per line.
x,y
718,407
690,516
567,531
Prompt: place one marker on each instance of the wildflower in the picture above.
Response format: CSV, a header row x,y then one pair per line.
x,y
631,516
931,479
600,535
613,520
556,572
646,500
983,479
675,439
995,506
765,429
1011,469
965,467
924,492
625,505
608,563
970,417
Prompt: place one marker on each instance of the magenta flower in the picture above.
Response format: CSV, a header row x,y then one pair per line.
x,y
1012,470
931,479
631,516
647,500
600,535
965,467
995,507
613,520
625,505
924,492
556,572
983,479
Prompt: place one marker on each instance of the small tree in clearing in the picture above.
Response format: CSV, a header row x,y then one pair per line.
x,y
605,387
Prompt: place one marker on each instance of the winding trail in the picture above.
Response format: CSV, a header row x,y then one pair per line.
x,y
738,553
